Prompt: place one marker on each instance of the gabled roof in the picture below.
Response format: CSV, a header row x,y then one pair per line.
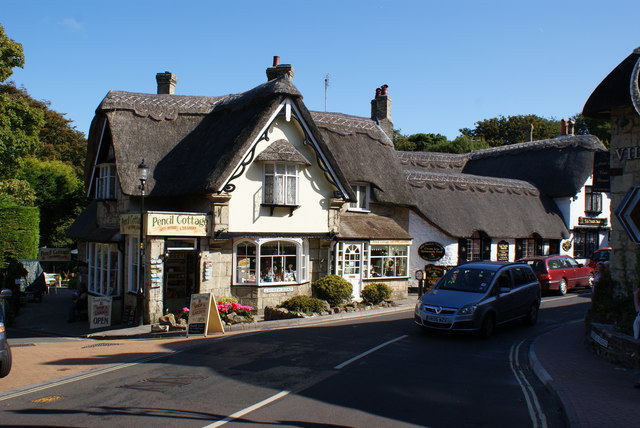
x,y
282,151
460,204
366,155
619,88
191,144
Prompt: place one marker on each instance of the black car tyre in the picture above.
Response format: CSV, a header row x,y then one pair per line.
x,y
532,315
5,365
562,288
488,326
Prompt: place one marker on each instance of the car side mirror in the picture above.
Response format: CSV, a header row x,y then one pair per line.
x,y
5,293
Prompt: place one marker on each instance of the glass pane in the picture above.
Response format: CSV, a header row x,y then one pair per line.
x,y
291,190
268,189
268,168
279,189
379,250
287,248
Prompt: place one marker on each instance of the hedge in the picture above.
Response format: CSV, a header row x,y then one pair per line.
x,y
19,233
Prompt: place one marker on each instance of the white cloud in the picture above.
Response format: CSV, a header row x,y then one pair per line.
x,y
72,23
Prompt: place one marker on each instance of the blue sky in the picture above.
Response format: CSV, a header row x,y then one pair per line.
x,y
448,64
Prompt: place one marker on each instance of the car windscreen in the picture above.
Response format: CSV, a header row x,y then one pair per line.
x,y
473,280
600,256
536,265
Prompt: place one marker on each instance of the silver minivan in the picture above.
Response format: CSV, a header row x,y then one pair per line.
x,y
477,296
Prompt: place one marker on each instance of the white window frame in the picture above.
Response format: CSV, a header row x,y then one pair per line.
x,y
300,273
133,250
391,258
362,197
106,181
104,264
280,182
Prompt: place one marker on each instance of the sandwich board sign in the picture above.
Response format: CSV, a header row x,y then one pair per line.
x,y
204,317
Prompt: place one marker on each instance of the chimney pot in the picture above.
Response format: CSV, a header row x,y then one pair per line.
x,y
276,61
278,70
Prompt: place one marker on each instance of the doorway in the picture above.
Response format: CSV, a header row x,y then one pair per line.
x,y
180,272
350,261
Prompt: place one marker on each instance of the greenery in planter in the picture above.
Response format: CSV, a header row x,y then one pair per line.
x,y
376,293
304,304
333,288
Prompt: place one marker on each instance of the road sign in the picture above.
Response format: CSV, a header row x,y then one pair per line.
x,y
628,213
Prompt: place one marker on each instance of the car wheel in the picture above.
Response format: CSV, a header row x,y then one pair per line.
x,y
488,326
5,365
590,281
532,315
562,288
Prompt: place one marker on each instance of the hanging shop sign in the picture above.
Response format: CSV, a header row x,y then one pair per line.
x,y
54,254
566,245
503,251
601,172
431,251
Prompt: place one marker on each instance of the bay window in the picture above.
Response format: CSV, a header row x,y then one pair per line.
x,y
103,267
270,261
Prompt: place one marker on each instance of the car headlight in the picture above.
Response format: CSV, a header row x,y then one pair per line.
x,y
468,310
418,305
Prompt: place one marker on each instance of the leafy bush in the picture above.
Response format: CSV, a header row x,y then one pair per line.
x,y
376,292
333,288
305,304
228,300
608,307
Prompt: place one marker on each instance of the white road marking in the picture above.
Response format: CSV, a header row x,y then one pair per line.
x,y
249,409
538,418
364,354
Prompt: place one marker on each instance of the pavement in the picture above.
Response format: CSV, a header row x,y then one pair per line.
x,y
47,349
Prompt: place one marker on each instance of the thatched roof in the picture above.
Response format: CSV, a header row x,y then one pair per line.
x,y
432,161
559,167
366,155
370,226
460,204
619,88
282,151
85,227
191,144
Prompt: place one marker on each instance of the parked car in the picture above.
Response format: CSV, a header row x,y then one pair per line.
x,y
477,296
560,273
599,255
5,351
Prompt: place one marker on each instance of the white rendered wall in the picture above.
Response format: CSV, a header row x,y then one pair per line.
x,y
422,232
245,211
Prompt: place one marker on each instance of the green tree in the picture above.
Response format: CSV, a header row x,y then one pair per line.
x,y
17,192
11,55
59,195
500,131
598,127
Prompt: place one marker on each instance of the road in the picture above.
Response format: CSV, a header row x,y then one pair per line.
x,y
374,372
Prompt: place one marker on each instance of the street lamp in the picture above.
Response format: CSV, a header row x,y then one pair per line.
x,y
143,173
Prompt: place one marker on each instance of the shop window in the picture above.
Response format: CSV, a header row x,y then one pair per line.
x,y
133,251
585,242
106,181
272,261
103,267
529,247
280,184
476,247
388,261
593,201
362,198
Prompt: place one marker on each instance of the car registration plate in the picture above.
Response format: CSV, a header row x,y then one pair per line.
x,y
439,320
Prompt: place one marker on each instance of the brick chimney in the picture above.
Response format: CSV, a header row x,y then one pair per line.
x,y
381,110
567,127
166,83
278,69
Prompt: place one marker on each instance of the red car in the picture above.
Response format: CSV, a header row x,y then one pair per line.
x,y
560,273
600,255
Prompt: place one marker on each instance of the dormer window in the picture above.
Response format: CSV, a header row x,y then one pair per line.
x,y
280,184
362,198
106,181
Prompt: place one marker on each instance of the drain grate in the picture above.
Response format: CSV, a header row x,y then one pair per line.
x,y
164,383
101,344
